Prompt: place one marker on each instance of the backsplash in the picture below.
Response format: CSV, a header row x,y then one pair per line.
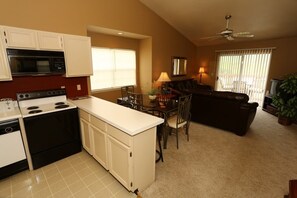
x,y
8,89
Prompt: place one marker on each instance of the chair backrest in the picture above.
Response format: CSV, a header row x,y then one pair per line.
x,y
135,100
239,86
126,89
184,105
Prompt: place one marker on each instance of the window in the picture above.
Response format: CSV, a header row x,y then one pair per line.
x,y
244,71
113,68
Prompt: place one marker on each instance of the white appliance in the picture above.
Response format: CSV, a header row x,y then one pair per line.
x,y
12,153
42,102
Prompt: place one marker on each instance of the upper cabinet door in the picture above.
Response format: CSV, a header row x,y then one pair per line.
x,y
20,38
4,67
78,55
50,41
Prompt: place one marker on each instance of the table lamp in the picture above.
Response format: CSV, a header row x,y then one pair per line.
x,y
201,71
163,78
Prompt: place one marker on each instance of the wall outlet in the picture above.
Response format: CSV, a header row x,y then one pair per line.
x,y
78,87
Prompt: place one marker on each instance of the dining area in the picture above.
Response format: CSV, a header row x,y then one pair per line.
x,y
175,110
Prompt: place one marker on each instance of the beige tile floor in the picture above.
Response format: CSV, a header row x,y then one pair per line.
x,y
78,176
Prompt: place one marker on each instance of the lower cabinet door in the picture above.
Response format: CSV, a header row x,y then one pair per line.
x,y
86,136
99,146
120,162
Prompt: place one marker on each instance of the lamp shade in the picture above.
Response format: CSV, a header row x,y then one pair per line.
x,y
163,77
201,70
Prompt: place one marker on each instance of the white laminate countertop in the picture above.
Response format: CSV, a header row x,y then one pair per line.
x,y
128,120
9,115
9,111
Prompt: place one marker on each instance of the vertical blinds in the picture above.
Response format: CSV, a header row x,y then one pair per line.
x,y
244,71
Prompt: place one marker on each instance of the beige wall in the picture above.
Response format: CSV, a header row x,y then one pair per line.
x,y
283,60
73,17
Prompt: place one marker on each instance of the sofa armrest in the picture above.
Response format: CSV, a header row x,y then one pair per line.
x,y
249,106
247,114
179,93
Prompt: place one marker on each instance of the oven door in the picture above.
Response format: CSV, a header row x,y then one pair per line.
x,y
53,136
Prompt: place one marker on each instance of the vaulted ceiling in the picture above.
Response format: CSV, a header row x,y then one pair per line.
x,y
197,19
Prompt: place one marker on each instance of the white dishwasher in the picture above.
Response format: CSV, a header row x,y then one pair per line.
x,y
12,153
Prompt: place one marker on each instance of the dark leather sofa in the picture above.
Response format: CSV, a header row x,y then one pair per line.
x,y
225,110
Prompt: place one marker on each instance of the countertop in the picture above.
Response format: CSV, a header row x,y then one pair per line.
x,y
9,114
128,120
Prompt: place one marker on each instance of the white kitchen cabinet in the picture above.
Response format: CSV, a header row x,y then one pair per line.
x,y
77,49
78,55
19,38
85,131
5,73
131,159
32,39
50,41
99,138
120,162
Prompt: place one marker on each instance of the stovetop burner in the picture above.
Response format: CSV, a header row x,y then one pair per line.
x,y
42,102
59,103
35,111
61,106
32,107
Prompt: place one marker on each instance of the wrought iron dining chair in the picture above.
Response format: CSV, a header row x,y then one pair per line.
x,y
124,93
135,100
182,119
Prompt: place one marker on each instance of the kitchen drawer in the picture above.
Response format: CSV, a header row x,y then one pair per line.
x,y
84,115
119,135
98,123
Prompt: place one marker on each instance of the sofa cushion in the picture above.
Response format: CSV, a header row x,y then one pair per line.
x,y
240,97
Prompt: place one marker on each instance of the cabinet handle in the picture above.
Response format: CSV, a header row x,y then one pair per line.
x,y
130,154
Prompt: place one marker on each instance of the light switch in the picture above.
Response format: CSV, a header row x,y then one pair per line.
x,y
78,87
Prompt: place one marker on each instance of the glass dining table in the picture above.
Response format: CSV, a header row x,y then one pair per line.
x,y
163,106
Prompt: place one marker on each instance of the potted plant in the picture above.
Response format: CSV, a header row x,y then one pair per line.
x,y
153,94
285,100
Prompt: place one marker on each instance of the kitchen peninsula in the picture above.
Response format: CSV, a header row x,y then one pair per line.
x,y
122,140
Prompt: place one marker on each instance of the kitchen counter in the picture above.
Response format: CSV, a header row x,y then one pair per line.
x,y
9,114
128,120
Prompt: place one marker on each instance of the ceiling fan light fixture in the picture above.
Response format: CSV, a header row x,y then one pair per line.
x,y
229,38
228,33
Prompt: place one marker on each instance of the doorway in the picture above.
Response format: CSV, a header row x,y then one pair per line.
x,y
244,71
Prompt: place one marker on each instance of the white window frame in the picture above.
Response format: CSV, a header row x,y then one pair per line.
x,y
109,69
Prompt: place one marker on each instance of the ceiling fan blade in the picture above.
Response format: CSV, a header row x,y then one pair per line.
x,y
228,33
210,37
243,35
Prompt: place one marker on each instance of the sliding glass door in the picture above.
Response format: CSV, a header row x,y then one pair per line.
x,y
244,71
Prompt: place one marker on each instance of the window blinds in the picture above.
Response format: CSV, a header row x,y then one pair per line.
x,y
244,71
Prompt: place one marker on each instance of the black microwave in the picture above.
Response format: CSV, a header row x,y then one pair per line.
x,y
35,62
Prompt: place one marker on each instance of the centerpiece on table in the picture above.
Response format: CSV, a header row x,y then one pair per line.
x,y
152,94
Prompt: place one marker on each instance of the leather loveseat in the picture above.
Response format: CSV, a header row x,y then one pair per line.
x,y
225,110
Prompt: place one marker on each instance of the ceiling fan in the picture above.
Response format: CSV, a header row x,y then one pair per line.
x,y
229,34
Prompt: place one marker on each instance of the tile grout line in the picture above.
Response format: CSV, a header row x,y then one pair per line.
x,y
92,194
47,181
65,181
